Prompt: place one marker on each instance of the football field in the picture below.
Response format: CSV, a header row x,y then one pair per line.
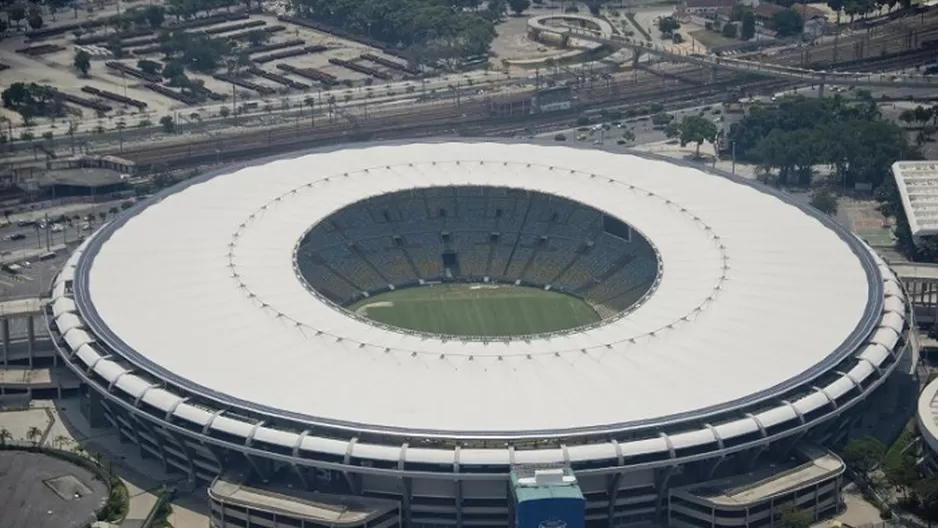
x,y
477,310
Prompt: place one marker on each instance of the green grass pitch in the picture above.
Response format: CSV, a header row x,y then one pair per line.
x,y
477,310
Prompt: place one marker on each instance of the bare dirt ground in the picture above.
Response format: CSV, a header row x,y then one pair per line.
x,y
513,42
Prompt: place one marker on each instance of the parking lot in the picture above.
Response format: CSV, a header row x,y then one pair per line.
x,y
31,252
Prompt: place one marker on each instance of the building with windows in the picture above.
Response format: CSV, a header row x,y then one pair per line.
x,y
210,326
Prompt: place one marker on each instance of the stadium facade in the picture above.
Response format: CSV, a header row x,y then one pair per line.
x,y
766,330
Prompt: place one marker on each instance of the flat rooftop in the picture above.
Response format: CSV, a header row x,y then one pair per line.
x,y
766,482
334,510
918,188
529,486
40,491
80,177
11,377
20,306
908,270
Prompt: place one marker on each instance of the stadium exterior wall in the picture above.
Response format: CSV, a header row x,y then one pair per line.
x,y
625,476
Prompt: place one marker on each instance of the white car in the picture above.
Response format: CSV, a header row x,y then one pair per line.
x,y
57,228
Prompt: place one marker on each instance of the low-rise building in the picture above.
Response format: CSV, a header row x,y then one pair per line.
x,y
236,503
811,481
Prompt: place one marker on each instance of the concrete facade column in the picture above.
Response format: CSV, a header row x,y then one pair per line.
x,y
6,340
30,338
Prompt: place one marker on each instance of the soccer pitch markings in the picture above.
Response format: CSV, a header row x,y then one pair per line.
x,y
477,310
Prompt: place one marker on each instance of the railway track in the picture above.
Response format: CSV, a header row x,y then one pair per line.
x,y
472,115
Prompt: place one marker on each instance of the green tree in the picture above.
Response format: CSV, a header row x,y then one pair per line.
x,y
673,130
862,454
168,124
668,25
661,119
519,6
149,67
155,15
82,62
790,515
35,21
787,23
34,434
16,13
901,473
696,129
825,201
747,28
5,434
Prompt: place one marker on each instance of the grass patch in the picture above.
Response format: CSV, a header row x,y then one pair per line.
x,y
893,456
711,39
637,26
478,310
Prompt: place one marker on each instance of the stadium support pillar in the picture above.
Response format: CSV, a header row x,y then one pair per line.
x,y
6,340
662,478
785,448
301,475
713,466
636,56
188,453
217,455
157,439
750,458
820,88
713,74
30,337
406,487
612,492
459,504
257,466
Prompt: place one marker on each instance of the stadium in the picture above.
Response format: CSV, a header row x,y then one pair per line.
x,y
313,337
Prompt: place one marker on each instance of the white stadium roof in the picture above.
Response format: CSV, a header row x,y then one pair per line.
x,y
200,288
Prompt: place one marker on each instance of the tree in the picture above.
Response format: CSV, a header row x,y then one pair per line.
x,y
836,6
3,26
83,62
748,26
787,23
16,13
729,30
791,516
35,21
5,435
149,67
173,70
696,129
34,435
824,200
661,119
168,123
668,25
155,15
673,130
901,473
628,136
863,454
519,6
